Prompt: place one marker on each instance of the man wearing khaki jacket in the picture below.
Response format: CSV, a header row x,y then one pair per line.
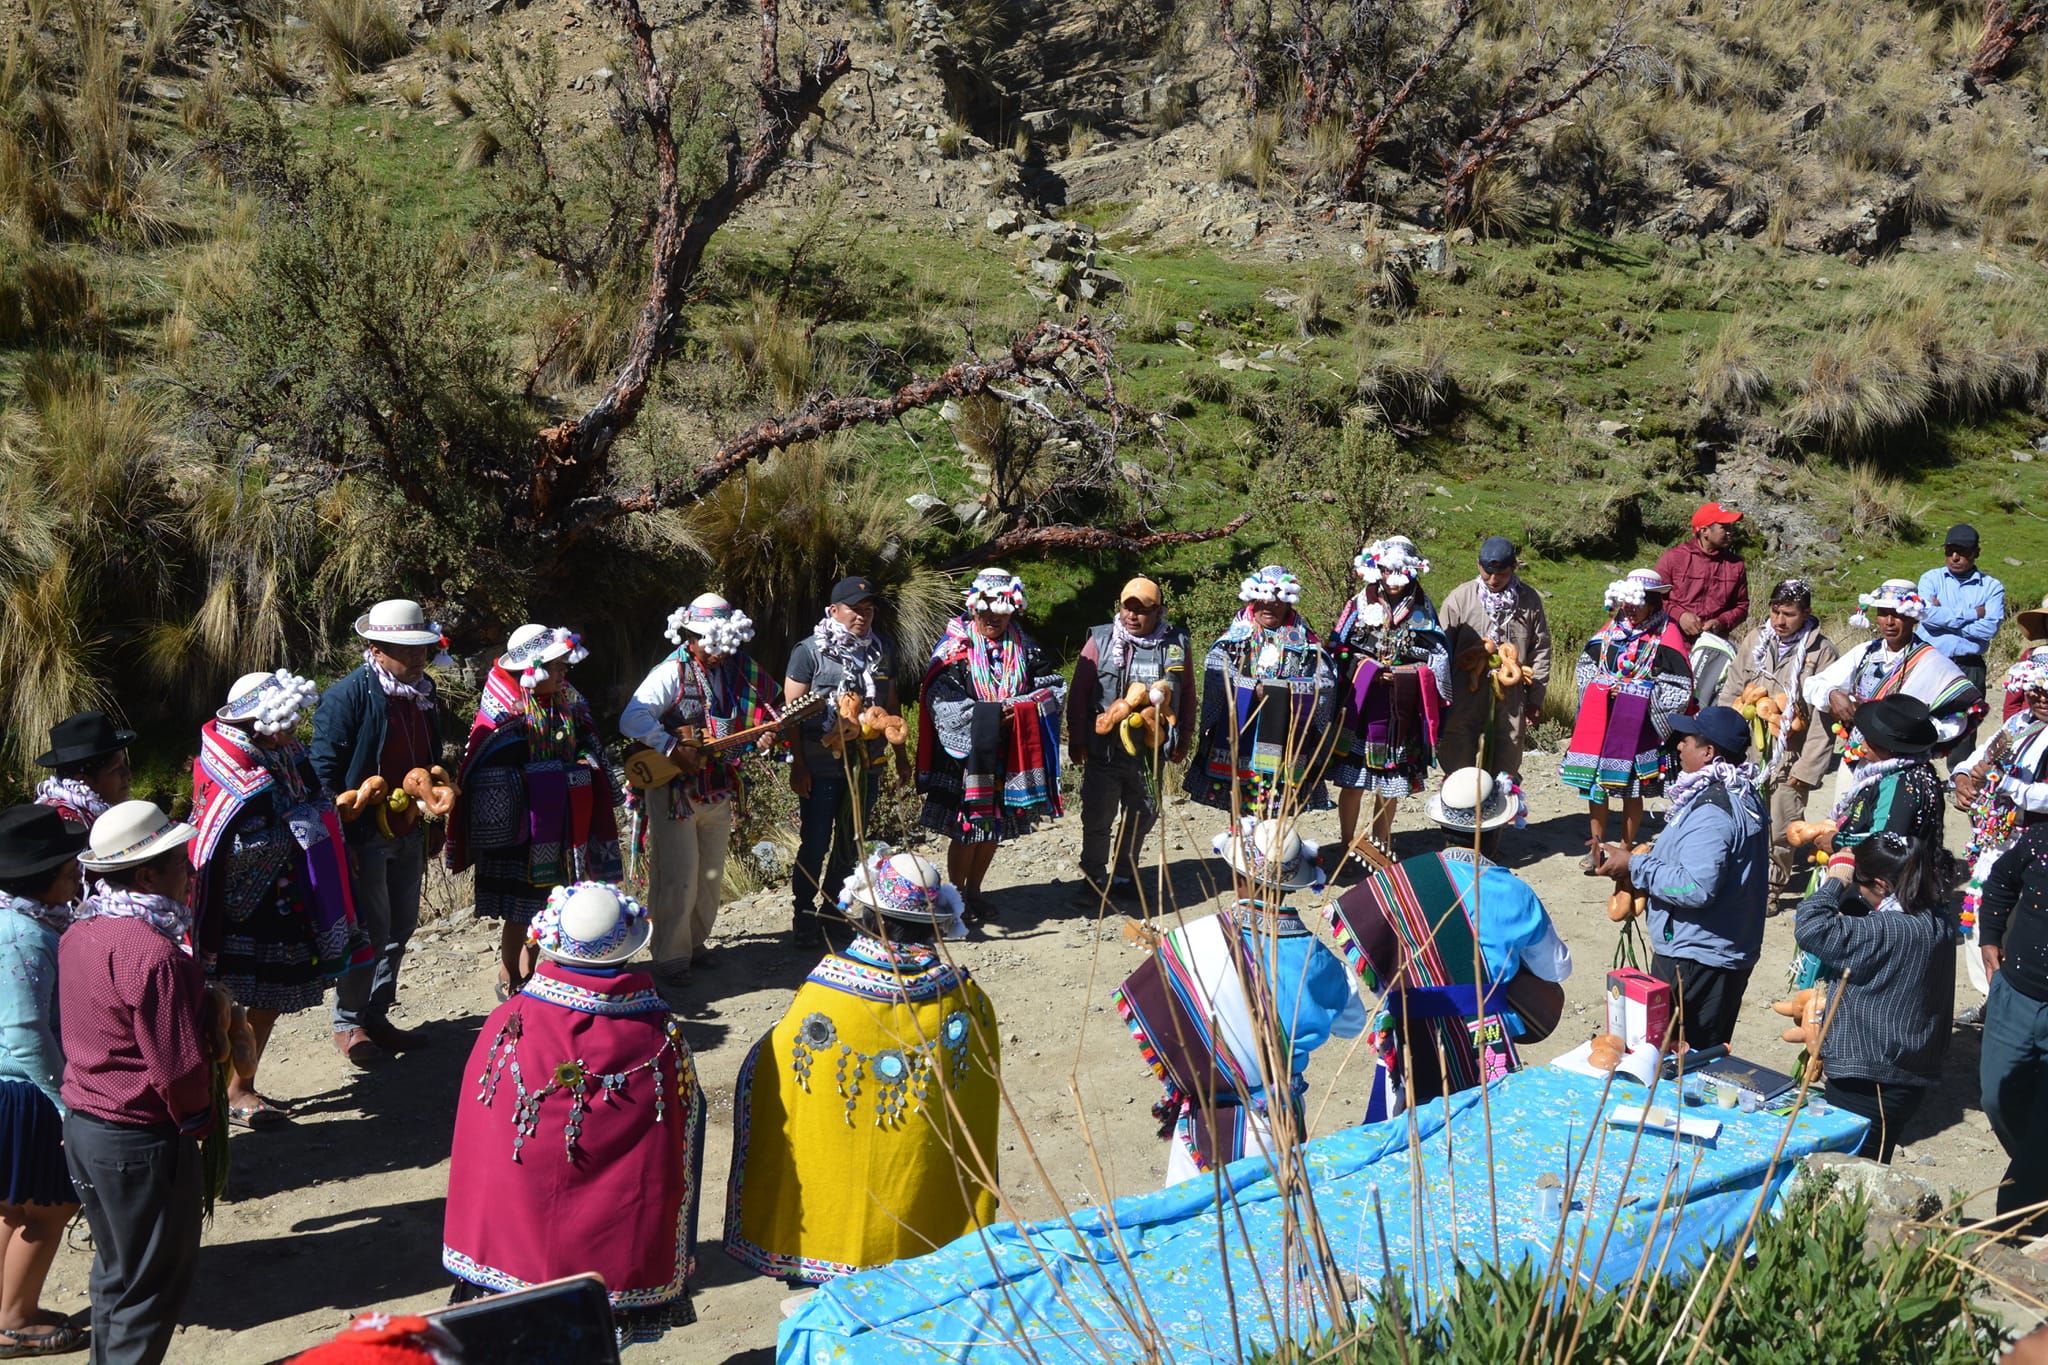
x,y
1496,606
1782,651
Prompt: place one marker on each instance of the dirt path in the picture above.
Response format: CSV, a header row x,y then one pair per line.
x,y
341,1210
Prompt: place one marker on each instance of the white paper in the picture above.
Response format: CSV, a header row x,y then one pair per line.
x,y
1641,1062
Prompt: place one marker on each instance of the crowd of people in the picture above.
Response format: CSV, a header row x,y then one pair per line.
x,y
150,959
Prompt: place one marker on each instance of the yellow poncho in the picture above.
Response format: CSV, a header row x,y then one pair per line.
x,y
844,1143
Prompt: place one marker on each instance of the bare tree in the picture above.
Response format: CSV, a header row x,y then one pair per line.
x,y
1535,90
572,458
2007,24
1369,120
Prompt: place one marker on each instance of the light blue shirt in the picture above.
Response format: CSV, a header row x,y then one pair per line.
x,y
1952,624
29,1050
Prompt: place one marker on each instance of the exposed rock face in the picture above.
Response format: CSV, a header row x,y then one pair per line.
x,y
1045,65
1866,229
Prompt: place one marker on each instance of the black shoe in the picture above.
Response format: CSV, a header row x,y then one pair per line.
x,y
1124,889
392,1038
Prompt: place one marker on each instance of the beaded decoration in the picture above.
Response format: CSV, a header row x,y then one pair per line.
x,y
574,1079
902,1076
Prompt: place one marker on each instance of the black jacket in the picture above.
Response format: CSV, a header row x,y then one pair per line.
x,y
2014,915
349,728
1892,1023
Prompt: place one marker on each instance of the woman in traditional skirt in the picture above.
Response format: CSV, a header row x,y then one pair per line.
x,y
579,1132
272,915
988,752
39,878
1633,677
537,809
865,1120
1999,787
1393,680
1267,694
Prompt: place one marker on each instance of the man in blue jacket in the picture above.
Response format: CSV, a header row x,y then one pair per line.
x,y
1707,876
1964,608
381,719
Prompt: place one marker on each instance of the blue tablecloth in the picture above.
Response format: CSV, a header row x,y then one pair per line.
x,y
1064,1289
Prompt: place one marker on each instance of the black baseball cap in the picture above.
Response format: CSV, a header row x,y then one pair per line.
x,y
1962,535
848,591
1498,552
1720,726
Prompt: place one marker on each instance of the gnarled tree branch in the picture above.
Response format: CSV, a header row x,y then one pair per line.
x,y
1540,63
572,457
2007,24
1046,539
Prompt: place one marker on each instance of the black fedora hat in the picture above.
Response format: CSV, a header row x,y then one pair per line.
x,y
36,839
89,734
1898,724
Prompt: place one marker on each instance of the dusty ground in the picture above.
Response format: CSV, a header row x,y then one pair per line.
x,y
341,1210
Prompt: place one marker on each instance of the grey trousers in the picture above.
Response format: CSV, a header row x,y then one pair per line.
x,y
387,886
1786,806
140,1188
1108,789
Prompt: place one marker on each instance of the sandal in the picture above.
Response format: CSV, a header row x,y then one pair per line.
x,y
258,1116
61,1339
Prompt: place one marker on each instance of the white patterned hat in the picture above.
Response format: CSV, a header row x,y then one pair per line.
x,y
593,923
723,628
1636,588
269,703
1270,853
1470,789
1901,595
905,887
996,590
1394,561
1270,584
532,648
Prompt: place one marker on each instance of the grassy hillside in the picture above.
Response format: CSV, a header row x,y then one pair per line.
x,y
1576,385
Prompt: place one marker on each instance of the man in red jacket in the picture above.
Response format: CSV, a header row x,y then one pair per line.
x,y
1709,594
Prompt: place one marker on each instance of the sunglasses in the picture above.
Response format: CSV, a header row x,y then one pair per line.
x,y
1133,604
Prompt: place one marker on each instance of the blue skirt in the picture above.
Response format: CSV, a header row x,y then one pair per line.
x,y
32,1169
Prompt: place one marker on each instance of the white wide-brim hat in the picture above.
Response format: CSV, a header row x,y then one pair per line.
x,y
902,886
593,924
132,833
533,646
399,621
1251,852
1470,789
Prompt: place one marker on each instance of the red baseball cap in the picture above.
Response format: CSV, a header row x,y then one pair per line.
x,y
1714,514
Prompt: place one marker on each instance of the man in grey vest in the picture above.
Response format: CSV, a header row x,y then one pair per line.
x,y
1139,646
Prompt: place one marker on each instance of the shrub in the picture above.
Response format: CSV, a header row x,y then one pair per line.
x,y
87,526
356,35
1731,378
1413,386
1813,1289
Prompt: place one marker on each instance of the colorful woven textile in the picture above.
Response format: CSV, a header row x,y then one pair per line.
x,y
1407,931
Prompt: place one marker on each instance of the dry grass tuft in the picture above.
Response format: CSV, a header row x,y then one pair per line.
x,y
356,35
1731,378
773,350
1415,385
